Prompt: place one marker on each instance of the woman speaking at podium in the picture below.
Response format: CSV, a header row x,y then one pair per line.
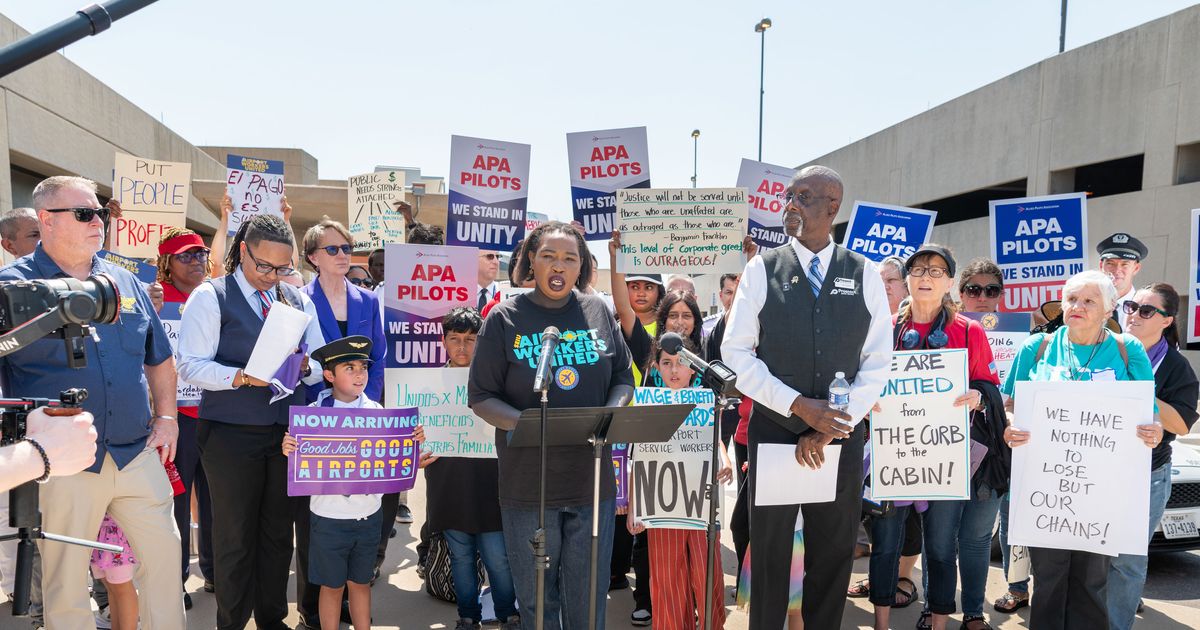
x,y
590,368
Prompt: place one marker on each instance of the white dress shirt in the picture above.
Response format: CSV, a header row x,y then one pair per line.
x,y
346,506
200,333
1121,301
741,338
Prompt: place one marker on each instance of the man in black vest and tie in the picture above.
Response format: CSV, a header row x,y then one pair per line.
x,y
803,312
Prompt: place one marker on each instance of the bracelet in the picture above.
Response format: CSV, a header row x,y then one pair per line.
x,y
45,460
171,418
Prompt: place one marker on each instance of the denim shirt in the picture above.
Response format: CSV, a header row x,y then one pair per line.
x,y
118,393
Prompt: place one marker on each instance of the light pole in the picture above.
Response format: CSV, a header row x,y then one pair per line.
x,y
1062,28
695,153
761,27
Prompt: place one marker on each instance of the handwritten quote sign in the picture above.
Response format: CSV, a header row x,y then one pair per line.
x,y
1005,334
154,198
352,451
669,478
920,442
1082,482
373,219
681,230
255,185
186,394
451,429
601,163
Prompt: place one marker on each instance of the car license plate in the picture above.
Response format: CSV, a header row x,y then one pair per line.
x,y
1179,526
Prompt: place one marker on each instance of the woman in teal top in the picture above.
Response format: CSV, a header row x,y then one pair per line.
x,y
1072,585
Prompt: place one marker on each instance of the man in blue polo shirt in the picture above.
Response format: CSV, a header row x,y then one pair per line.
x,y
129,364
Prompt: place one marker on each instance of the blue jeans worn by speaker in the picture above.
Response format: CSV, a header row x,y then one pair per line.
x,y
1126,573
569,545
975,547
1023,585
491,548
887,537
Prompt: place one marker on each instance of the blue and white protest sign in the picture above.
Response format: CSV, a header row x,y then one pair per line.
x,y
878,230
765,181
144,271
488,193
186,394
1193,330
603,162
1005,333
255,186
1038,242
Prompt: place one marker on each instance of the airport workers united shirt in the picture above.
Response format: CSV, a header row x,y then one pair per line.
x,y
590,360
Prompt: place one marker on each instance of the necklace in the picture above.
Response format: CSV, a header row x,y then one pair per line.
x,y
1078,370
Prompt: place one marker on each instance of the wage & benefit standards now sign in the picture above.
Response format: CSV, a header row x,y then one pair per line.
x,y
1038,242
601,163
669,477
489,192
920,442
352,451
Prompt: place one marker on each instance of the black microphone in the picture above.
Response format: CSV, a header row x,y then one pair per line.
x,y
716,375
541,378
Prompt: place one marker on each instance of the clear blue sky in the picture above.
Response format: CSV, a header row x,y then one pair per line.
x,y
358,83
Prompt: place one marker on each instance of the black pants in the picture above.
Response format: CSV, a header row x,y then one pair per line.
x,y
830,530
390,505
631,551
739,523
191,472
622,549
252,522
641,573
1071,591
308,596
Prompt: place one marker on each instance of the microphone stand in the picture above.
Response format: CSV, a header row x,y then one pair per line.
x,y
541,561
720,403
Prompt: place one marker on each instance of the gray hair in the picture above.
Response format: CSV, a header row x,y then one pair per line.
x,y
11,220
894,261
1098,279
827,175
49,187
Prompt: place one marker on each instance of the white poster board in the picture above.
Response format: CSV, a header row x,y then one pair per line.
x,y
373,219
669,477
440,394
681,230
154,198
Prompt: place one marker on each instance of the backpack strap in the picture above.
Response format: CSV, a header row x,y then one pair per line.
x,y
1042,348
1124,352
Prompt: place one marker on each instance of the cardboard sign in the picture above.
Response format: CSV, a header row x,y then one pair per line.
x,y
1038,242
422,283
489,191
145,272
878,230
138,233
764,182
373,219
601,163
1005,333
1193,331
1082,482
154,197
921,442
681,230
186,395
255,185
669,478
352,451
451,429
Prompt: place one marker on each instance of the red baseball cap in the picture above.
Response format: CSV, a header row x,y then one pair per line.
x,y
180,244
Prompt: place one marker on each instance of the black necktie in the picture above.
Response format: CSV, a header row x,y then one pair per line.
x,y
483,298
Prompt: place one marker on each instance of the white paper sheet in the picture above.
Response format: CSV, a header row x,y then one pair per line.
x,y
281,334
789,483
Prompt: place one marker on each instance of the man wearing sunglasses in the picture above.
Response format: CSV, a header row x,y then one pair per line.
x,y
128,363
489,268
1121,258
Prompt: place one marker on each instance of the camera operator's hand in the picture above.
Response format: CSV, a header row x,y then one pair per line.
x,y
164,434
156,295
70,441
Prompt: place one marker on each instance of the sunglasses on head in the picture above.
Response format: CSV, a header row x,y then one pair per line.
x,y
992,291
1145,311
333,250
84,215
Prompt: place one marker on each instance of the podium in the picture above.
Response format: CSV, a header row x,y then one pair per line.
x,y
597,427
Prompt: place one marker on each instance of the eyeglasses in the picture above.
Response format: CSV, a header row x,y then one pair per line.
x,y
1145,311
489,256
934,272
992,291
84,215
362,282
803,200
187,258
264,268
333,250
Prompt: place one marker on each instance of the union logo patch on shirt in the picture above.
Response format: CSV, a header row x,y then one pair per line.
x,y
567,378
128,304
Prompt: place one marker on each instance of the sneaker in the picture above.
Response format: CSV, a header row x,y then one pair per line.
x,y
209,587
640,617
404,515
467,624
103,622
1141,607
187,601
512,623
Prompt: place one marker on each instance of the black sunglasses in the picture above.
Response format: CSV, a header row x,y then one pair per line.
x,y
333,250
1145,311
84,215
992,291
361,282
194,256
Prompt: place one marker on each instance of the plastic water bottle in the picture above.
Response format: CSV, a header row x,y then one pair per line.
x,y
839,392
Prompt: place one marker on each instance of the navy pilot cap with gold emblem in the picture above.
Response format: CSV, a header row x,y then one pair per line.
x,y
1122,245
352,348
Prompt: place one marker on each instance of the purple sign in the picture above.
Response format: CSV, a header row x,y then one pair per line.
x,y
620,461
352,451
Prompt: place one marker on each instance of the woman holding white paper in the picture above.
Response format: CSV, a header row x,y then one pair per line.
x,y
957,533
1072,586
240,430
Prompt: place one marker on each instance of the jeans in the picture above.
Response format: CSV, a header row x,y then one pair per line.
x,y
1015,587
887,536
975,547
491,548
941,522
569,545
1126,573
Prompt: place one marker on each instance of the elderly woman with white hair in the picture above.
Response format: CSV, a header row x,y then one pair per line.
x,y
1072,585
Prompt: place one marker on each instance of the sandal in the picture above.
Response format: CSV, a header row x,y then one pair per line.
x,y
1011,602
926,621
974,622
861,588
909,596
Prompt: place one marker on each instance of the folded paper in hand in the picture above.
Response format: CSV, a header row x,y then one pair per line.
x,y
281,334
